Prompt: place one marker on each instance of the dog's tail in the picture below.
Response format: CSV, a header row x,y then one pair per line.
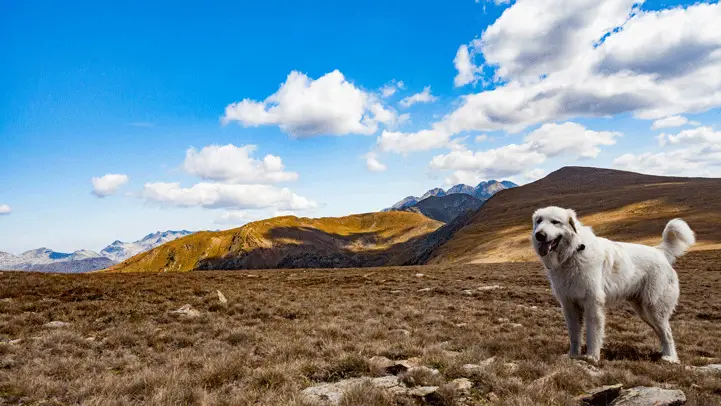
x,y
677,238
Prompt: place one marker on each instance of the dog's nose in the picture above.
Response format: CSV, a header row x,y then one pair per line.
x,y
541,236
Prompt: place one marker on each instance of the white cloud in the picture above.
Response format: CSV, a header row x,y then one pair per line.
x,y
400,142
698,153
229,196
423,97
468,72
329,105
569,139
669,122
233,217
699,135
482,137
389,89
549,141
5,209
373,164
232,164
560,59
108,185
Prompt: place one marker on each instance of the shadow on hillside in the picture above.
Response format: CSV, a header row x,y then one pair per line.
x,y
306,247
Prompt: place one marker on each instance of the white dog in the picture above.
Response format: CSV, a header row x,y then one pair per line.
x,y
588,273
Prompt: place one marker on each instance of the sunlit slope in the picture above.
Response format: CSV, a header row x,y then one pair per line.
x,y
371,239
620,205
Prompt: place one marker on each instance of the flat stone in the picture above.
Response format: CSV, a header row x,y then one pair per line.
x,y
462,385
422,391
400,331
600,396
425,290
706,369
468,292
221,297
388,366
332,393
650,396
489,287
187,311
420,275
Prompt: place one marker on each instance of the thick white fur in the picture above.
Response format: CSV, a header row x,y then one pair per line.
x,y
589,273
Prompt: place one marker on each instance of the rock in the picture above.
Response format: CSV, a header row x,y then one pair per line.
x,y
332,393
510,367
470,368
56,324
462,385
492,397
15,341
252,276
600,396
706,369
645,396
420,275
502,320
468,292
425,290
187,311
422,391
489,287
590,369
221,297
396,291
516,325
459,325
424,369
388,366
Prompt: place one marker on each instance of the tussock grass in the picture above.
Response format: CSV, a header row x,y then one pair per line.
x,y
285,330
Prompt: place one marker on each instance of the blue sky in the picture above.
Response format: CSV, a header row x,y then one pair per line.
x,y
517,89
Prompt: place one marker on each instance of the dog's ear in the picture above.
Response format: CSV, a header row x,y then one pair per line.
x,y
573,220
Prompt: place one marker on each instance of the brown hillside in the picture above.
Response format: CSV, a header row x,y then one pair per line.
x,y
371,239
620,205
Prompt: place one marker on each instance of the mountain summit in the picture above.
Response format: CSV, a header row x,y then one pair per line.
x,y
482,191
119,251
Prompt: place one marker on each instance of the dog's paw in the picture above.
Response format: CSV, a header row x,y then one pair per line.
x,y
671,360
591,359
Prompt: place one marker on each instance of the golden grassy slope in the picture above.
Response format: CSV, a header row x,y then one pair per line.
x,y
620,205
291,242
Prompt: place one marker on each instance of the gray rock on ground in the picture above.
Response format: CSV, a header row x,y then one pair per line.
x,y
601,396
187,311
56,324
221,297
646,396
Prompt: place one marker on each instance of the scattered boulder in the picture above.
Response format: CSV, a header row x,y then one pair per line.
x,y
422,391
471,368
706,369
187,311
420,275
400,331
489,287
600,396
221,297
459,325
388,366
644,396
468,292
56,324
502,320
516,325
425,290
396,291
462,385
492,397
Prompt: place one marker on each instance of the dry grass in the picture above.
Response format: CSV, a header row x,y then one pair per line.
x,y
285,330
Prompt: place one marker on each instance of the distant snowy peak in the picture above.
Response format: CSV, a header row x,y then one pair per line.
x,y
482,191
437,192
40,259
119,251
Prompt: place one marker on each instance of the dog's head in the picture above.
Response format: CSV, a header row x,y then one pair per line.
x,y
555,230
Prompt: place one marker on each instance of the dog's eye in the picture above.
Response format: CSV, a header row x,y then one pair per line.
x,y
539,220
556,222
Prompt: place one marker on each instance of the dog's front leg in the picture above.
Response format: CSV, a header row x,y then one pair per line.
x,y
574,321
594,314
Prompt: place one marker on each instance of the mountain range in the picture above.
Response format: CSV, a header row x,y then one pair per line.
x,y
482,191
445,208
47,260
620,205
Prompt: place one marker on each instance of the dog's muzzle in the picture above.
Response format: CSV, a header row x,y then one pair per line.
x,y
545,247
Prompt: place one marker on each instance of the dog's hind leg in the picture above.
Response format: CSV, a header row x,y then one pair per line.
x,y
574,321
593,313
662,327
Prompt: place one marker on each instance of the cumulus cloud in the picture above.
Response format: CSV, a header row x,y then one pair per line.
x,y
402,143
108,185
669,122
559,59
697,153
373,164
549,141
329,105
468,72
389,89
233,164
234,217
226,196
423,97
5,209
